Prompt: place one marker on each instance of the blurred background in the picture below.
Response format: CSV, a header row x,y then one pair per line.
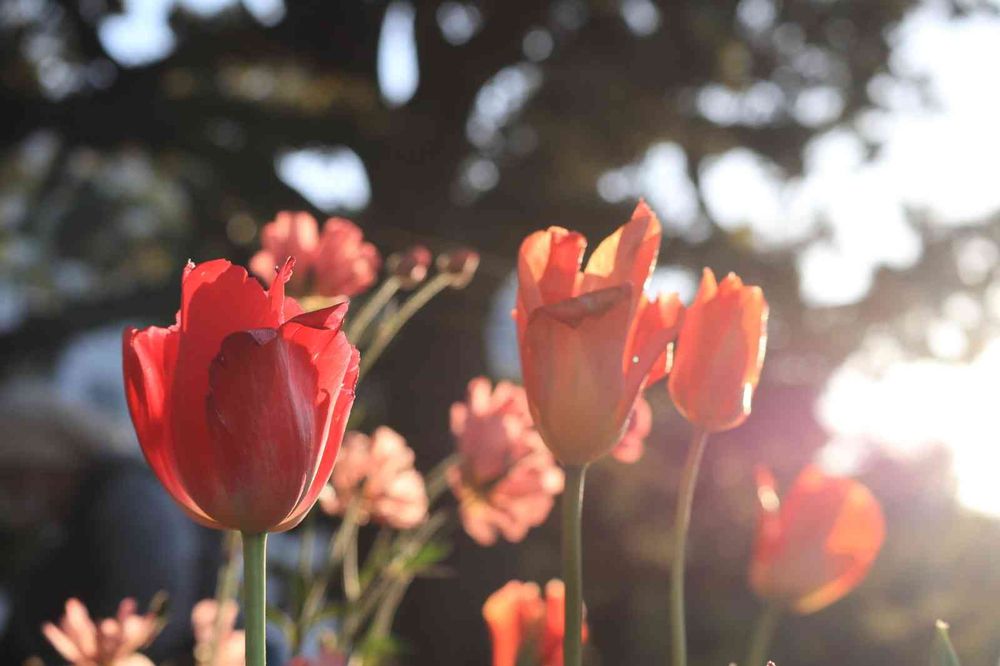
x,y
843,154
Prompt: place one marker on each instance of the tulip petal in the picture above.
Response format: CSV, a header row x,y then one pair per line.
x,y
656,327
548,266
148,361
572,359
261,414
627,255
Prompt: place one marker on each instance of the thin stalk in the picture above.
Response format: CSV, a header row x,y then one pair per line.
x,y
437,479
682,521
340,542
387,330
763,633
352,580
359,323
572,503
254,596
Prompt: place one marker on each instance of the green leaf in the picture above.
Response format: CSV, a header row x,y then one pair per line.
x,y
942,652
431,553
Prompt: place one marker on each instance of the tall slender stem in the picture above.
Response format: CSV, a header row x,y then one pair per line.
x,y
359,324
225,588
681,523
572,503
254,596
387,330
763,633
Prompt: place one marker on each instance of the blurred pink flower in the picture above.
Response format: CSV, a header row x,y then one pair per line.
x,y
339,261
325,659
506,479
630,449
345,264
231,647
378,471
111,642
291,234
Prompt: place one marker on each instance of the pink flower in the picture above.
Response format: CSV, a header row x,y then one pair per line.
x,y
378,472
325,659
630,449
111,642
231,646
338,261
507,479
345,264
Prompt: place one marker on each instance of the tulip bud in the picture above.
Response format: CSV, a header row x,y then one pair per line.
x,y
410,266
460,264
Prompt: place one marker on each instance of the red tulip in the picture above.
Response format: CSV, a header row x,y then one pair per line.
x,y
241,405
591,340
527,629
719,353
818,544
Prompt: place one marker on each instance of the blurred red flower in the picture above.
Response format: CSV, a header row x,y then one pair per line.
x,y
111,642
818,543
505,480
526,629
240,406
378,471
719,353
632,444
339,260
591,341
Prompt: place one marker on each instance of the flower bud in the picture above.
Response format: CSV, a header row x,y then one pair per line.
x,y
409,266
460,264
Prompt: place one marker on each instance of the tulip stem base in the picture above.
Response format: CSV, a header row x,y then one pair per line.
x,y
254,596
763,632
682,521
572,503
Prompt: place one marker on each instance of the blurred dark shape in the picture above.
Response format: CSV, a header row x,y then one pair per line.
x,y
410,266
460,264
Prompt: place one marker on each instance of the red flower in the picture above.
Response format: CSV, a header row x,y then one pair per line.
x,y
818,544
590,341
527,630
240,406
719,353
339,261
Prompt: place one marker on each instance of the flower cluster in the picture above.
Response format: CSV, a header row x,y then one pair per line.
x,y
110,642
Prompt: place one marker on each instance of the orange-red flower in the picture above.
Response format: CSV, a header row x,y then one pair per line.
x,y
111,642
339,261
719,353
591,340
526,629
240,406
505,480
818,543
377,471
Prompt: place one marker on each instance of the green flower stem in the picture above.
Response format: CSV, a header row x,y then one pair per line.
x,y
572,503
339,545
359,323
387,330
681,523
254,596
763,632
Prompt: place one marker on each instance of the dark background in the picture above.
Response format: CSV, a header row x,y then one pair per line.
x,y
117,167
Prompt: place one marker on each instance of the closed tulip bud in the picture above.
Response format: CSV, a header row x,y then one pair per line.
x,y
410,266
719,353
591,341
240,406
460,264
817,544
525,627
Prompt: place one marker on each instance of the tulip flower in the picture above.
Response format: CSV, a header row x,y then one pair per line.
x,y
240,407
338,261
111,642
506,480
377,472
216,642
719,353
818,543
716,366
812,547
590,342
526,629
